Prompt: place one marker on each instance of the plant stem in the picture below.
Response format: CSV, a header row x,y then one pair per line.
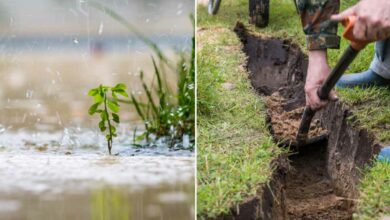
x,y
109,140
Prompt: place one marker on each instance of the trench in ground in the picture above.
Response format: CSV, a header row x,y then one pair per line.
x,y
313,182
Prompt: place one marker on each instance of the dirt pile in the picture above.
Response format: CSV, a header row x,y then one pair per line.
x,y
285,124
319,181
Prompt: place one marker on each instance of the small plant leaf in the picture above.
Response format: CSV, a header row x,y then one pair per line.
x,y
122,93
104,115
140,137
115,117
98,98
113,106
119,86
94,108
120,89
102,126
114,95
93,92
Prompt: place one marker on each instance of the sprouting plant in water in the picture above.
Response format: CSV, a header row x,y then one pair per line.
x,y
106,104
164,112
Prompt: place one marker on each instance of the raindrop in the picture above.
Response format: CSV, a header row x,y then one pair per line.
x,y
179,12
2,128
186,141
59,118
29,94
11,21
101,27
147,20
76,41
24,118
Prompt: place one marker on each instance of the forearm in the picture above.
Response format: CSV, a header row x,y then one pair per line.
x,y
317,59
315,15
316,55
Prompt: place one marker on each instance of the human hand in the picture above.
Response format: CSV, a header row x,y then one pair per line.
x,y
372,19
317,73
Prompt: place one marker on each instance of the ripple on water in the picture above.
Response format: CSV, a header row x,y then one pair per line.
x,y
39,173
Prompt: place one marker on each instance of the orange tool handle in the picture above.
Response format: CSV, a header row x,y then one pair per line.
x,y
348,34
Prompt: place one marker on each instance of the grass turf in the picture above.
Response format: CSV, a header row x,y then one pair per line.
x,y
234,147
232,139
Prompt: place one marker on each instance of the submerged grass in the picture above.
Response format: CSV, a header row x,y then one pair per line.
x,y
370,106
234,147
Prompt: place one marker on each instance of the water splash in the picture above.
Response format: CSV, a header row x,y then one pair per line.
x,y
2,129
29,94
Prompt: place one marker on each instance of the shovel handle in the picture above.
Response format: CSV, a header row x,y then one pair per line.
x,y
346,59
304,127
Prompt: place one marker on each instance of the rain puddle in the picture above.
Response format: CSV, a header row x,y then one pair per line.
x,y
68,175
54,162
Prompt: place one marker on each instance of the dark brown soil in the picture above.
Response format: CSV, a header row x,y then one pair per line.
x,y
285,124
309,191
315,182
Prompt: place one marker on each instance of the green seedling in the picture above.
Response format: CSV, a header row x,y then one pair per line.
x,y
106,104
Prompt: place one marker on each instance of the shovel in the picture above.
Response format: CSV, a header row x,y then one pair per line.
x,y
347,58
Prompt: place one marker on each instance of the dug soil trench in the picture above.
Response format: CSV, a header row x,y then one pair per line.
x,y
317,181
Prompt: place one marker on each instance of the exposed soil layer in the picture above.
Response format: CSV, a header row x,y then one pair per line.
x,y
309,191
285,124
317,181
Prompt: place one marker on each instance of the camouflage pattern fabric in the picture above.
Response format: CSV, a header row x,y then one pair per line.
x,y
321,33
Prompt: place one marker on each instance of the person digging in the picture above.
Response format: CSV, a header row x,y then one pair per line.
x,y
319,20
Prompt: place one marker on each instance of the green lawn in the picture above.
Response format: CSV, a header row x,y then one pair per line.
x,y
234,147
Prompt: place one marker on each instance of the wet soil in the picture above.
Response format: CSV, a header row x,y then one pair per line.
x,y
318,181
